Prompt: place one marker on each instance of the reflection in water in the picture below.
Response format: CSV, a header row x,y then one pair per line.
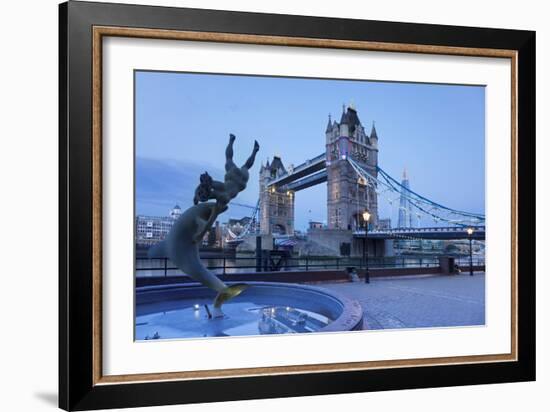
x,y
242,319
276,320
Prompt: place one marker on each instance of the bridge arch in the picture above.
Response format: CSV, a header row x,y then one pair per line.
x,y
278,229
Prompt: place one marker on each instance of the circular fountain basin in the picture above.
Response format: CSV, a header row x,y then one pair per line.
x,y
182,311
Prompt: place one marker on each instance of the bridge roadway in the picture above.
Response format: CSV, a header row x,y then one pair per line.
x,y
435,233
310,166
313,172
308,181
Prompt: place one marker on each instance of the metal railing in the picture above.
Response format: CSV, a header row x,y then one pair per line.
x,y
420,229
232,265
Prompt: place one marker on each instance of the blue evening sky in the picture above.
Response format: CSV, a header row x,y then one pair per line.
x,y
183,120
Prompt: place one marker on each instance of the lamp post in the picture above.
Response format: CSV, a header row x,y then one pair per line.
x,y
366,218
470,232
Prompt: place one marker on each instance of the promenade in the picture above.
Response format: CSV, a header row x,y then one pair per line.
x,y
418,301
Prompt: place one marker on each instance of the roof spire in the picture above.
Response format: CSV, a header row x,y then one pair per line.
x,y
405,177
329,125
344,118
373,131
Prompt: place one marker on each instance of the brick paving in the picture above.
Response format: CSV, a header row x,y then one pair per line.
x,y
419,301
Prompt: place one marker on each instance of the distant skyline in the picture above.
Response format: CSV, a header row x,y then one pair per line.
x,y
183,121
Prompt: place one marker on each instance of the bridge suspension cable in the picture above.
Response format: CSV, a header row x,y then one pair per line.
x,y
243,205
388,178
423,205
252,220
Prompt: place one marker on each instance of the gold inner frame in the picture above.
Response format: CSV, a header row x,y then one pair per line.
x,y
100,31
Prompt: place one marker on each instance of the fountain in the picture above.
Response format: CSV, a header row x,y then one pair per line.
x,y
183,311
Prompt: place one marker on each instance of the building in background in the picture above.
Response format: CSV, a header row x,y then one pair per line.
x,y
384,224
316,225
405,216
153,229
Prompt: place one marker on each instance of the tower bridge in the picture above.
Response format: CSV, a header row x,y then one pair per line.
x,y
347,196
355,183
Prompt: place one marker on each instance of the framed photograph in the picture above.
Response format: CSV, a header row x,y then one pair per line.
x,y
256,205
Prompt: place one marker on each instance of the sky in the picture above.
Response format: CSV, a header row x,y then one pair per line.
x,y
183,121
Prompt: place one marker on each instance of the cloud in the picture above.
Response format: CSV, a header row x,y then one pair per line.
x,y
161,183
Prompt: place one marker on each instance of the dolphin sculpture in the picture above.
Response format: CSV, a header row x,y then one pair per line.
x,y
181,248
181,245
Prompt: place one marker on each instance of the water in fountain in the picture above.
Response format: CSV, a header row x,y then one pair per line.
x,y
242,318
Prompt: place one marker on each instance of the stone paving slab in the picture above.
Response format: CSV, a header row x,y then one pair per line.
x,y
419,301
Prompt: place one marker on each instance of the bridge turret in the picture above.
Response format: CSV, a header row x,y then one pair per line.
x,y
329,125
372,160
373,136
344,130
331,130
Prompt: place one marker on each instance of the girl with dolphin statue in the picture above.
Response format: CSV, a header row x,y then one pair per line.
x,y
181,245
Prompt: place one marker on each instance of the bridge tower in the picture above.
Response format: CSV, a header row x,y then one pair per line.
x,y
276,204
347,196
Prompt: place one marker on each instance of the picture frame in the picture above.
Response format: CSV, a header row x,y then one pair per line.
x,y
82,28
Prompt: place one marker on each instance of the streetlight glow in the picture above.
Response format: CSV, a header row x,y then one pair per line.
x,y
470,231
366,218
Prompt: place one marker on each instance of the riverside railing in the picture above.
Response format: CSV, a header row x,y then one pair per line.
x,y
228,265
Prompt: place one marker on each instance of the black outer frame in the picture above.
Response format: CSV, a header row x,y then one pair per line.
x,y
76,389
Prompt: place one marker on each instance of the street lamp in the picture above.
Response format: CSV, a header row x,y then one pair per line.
x,y
366,218
470,232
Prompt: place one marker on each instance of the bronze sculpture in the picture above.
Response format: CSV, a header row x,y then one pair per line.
x,y
181,245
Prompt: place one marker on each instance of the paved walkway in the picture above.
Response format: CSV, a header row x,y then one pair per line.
x,y
418,302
